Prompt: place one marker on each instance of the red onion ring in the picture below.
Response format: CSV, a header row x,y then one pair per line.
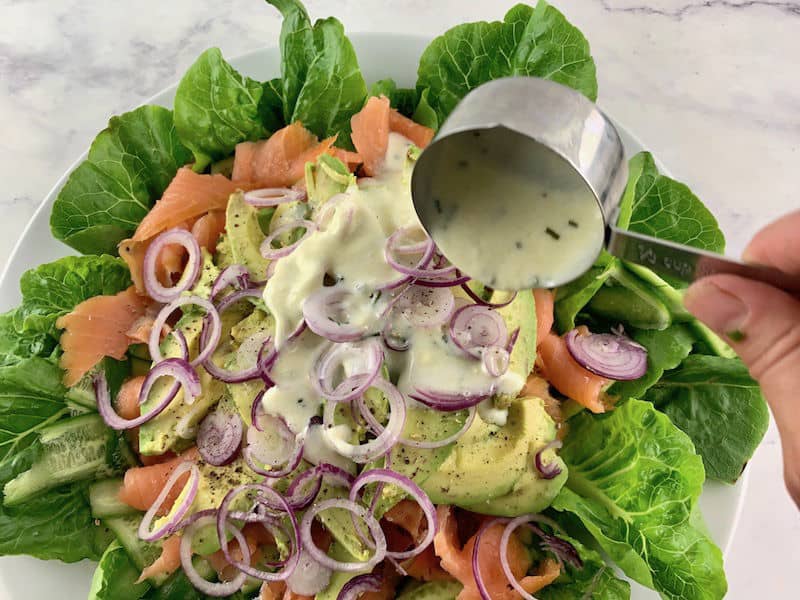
x,y
110,416
425,306
389,477
474,327
232,299
608,355
355,384
310,577
219,437
496,360
476,571
426,445
561,548
235,275
298,498
478,300
266,197
222,517
361,584
379,539
181,371
324,213
364,453
549,471
255,461
211,588
240,376
319,316
176,513
161,320
267,251
449,401
155,290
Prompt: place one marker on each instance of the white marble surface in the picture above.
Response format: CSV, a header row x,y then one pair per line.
x,y
710,86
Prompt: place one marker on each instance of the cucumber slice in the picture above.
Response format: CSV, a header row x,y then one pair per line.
x,y
141,553
105,502
72,450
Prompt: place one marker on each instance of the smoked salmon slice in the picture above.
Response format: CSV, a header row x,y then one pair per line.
x,y
208,228
568,377
98,327
127,403
545,317
418,134
351,159
458,561
168,562
371,132
279,161
142,485
188,196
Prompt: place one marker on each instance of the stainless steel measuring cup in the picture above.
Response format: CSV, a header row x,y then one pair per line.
x,y
563,143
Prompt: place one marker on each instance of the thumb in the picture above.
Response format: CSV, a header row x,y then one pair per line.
x,y
762,324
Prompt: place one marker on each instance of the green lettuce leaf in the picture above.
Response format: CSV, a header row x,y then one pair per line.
x,y
537,42
403,99
594,580
634,480
667,209
322,85
129,165
16,345
116,577
719,406
216,108
665,350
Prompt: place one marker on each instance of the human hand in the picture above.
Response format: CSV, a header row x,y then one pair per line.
x,y
762,324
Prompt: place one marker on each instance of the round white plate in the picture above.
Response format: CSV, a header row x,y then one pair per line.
x,y
380,55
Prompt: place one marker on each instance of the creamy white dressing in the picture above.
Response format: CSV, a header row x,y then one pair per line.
x,y
350,249
510,215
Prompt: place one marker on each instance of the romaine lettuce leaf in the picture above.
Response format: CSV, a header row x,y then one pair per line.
x,y
322,82
216,108
16,345
716,402
634,480
116,577
537,42
403,99
129,165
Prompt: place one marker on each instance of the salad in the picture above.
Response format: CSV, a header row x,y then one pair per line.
x,y
261,378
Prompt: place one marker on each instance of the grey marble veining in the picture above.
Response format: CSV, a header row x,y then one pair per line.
x,y
711,87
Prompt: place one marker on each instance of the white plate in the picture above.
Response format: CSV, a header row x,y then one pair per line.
x,y
380,56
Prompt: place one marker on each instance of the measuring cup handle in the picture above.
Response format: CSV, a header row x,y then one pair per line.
x,y
687,263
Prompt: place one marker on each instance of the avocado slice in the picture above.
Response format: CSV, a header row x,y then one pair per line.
x,y
242,244
431,590
531,493
208,275
286,213
519,315
325,178
488,461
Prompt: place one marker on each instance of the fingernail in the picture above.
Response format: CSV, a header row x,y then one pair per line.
x,y
721,310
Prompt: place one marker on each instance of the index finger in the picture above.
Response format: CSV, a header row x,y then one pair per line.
x,y
777,245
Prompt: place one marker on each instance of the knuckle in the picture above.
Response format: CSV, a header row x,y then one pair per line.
x,y
781,354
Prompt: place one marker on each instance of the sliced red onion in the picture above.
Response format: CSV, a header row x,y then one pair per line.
x,y
396,332
368,355
266,197
476,571
219,437
608,355
364,453
215,331
561,548
324,213
112,418
496,359
474,327
361,584
236,276
181,371
267,251
451,278
482,302
412,489
552,470
512,341
378,538
176,513
210,588
512,526
155,290
305,487
425,306
271,497
310,577
279,453
232,299
247,374
451,401
431,445
325,315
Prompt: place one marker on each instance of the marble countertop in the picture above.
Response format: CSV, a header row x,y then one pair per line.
x,y
709,86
